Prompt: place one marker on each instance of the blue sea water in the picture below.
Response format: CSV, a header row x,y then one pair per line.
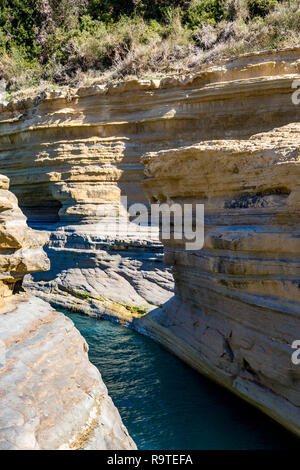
x,y
167,405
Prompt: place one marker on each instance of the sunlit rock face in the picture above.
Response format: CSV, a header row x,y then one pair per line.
x,y
72,155
236,310
21,248
52,397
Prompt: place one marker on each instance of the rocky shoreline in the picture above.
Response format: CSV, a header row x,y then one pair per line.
x,y
226,136
52,397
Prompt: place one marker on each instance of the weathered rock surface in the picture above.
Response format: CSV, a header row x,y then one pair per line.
x,y
236,311
72,156
103,276
52,397
80,151
21,249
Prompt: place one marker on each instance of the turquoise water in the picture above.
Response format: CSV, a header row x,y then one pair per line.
x,y
165,404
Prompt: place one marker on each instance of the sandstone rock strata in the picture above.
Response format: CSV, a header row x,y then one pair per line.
x,y
236,311
103,276
52,397
71,155
78,151
21,249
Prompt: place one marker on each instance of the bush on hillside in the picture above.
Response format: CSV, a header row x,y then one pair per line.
x,y
204,11
68,42
261,7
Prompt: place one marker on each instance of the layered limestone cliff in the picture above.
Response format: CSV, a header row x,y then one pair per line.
x,y
71,155
21,249
236,310
225,135
52,397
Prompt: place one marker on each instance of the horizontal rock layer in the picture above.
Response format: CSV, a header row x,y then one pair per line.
x,y
236,311
79,151
21,248
100,276
71,156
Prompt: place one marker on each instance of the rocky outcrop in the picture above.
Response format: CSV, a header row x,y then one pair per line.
x,y
236,311
79,151
71,155
222,136
20,247
52,397
102,277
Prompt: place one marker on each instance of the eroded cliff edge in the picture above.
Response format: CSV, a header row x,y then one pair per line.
x,y
72,155
225,135
236,310
52,397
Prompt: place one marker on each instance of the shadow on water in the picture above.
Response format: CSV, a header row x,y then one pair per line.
x,y
167,405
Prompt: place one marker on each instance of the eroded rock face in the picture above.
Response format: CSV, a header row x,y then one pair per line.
x,y
21,248
52,397
72,155
102,276
236,311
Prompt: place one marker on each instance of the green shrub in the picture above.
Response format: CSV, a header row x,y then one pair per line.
x,y
261,7
70,42
204,11
18,71
2,41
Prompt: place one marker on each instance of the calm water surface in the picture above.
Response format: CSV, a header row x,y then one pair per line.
x,y
165,404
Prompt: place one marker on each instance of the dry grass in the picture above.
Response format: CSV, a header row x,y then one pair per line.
x,y
139,49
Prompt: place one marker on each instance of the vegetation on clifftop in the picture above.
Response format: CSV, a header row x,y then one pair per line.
x,y
73,42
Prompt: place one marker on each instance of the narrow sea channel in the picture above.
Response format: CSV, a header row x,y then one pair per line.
x,y
167,405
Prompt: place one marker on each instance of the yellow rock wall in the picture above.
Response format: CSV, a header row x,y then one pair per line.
x,y
21,248
74,153
52,397
236,310
226,135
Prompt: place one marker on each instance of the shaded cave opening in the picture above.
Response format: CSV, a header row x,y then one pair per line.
x,y
42,214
